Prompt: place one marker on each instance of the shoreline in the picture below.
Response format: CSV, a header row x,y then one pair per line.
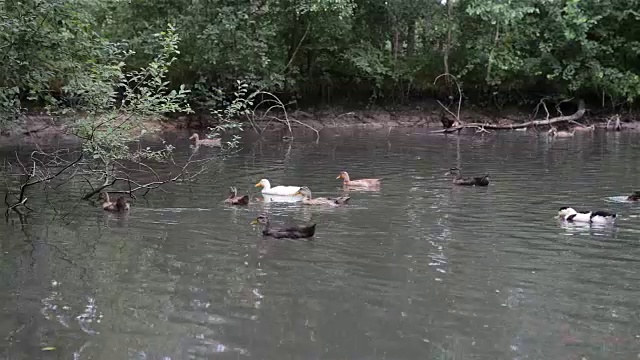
x,y
42,128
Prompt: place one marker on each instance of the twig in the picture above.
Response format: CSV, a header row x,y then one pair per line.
x,y
287,121
457,117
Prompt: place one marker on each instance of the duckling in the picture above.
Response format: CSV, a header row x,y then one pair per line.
x,y
206,142
554,133
475,181
635,196
308,200
234,199
120,205
291,232
346,181
593,217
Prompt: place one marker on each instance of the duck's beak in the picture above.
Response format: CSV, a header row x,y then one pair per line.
x,y
297,193
258,185
339,176
254,222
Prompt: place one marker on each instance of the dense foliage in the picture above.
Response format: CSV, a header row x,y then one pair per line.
x,y
61,53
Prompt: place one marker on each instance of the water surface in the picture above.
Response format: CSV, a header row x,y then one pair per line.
x,y
418,270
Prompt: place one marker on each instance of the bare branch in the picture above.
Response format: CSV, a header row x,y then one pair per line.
x,y
456,116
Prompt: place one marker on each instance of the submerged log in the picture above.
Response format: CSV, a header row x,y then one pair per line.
x,y
548,122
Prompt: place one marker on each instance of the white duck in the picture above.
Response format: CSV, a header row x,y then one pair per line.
x,y
592,217
278,190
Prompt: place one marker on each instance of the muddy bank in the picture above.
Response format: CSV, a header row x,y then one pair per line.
x,y
41,128
430,116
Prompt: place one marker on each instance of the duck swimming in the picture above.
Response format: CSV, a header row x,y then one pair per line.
x,y
553,132
346,181
308,200
206,142
120,205
593,217
234,199
291,232
475,181
278,190
635,196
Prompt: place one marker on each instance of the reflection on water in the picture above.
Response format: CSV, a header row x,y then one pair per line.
x,y
418,269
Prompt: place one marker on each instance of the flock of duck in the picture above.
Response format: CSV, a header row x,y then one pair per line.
x,y
296,232
304,195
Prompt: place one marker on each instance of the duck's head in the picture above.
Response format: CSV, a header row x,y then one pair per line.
x,y
194,136
634,197
304,191
261,219
343,175
566,211
263,183
453,171
104,196
233,192
122,204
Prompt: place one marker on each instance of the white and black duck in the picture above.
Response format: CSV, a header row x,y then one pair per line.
x,y
593,217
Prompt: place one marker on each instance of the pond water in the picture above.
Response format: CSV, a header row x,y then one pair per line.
x,y
419,270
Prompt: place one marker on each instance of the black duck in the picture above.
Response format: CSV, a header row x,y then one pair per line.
x,y
291,232
470,181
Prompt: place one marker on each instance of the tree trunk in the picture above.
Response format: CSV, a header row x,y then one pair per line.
x,y
395,44
492,53
447,46
411,38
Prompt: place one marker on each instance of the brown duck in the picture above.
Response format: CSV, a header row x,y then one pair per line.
x,y
234,199
120,205
470,181
206,142
346,181
555,133
309,200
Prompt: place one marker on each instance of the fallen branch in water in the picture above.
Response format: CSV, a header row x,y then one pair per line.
x,y
123,174
51,170
277,104
37,175
548,122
